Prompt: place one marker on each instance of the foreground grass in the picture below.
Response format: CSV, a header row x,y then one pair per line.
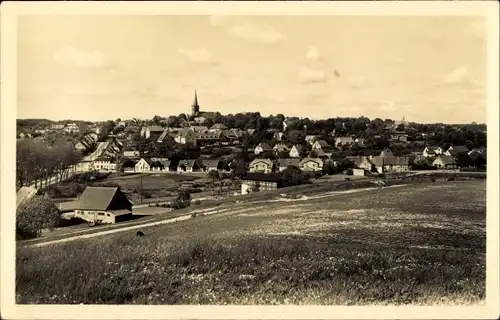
x,y
414,245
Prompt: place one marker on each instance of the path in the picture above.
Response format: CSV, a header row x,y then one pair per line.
x,y
187,216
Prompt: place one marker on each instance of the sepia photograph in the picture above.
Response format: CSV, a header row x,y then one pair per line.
x,y
255,155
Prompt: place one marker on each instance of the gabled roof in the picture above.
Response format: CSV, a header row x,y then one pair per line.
x,y
97,198
148,161
298,147
218,126
392,161
184,132
344,139
322,143
23,195
432,148
280,146
264,146
210,163
305,160
187,163
258,160
446,160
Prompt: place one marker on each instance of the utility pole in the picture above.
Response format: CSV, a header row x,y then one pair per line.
x,y
141,189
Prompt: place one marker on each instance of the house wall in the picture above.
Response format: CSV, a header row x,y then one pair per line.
x,y
311,166
142,166
294,153
391,168
248,186
358,172
260,167
91,216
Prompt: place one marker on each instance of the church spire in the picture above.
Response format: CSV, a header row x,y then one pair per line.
x,y
195,107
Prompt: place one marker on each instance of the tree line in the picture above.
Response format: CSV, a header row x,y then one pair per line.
x,y
37,162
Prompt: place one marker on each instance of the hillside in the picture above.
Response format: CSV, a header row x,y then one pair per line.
x,y
420,244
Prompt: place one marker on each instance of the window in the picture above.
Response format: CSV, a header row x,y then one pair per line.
x,y
107,214
101,213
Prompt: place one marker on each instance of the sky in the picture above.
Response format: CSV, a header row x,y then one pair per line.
x,y
426,69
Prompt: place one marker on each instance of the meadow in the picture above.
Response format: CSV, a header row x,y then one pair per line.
x,y
421,243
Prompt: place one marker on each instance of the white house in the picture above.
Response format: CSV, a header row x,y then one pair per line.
x,y
342,141
445,161
143,165
296,151
104,163
186,136
261,165
311,164
431,151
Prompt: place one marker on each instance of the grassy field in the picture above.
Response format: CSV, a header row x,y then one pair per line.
x,y
421,244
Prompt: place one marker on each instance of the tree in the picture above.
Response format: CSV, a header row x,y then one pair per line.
x,y
37,214
293,176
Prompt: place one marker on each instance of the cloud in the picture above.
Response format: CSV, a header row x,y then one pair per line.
x,y
79,58
261,34
308,75
197,55
458,76
313,54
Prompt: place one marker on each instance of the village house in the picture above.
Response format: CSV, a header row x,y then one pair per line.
x,y
311,164
105,204
210,137
160,165
386,153
343,141
296,151
432,151
23,135
104,163
361,162
360,142
310,139
280,147
218,127
261,165
143,165
455,151
262,147
71,128
256,182
131,153
57,126
445,161
390,164
186,136
113,147
399,136
209,165
152,132
188,166
321,145
285,163
278,136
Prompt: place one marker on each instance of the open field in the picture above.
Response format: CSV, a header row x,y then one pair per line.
x,y
421,243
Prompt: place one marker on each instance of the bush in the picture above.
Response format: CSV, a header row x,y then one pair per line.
x,y
37,214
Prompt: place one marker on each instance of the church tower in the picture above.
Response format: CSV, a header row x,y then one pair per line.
x,y
195,108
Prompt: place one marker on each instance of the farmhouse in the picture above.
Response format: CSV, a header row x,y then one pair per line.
x,y
261,165
391,164
445,161
321,145
311,164
143,165
255,182
296,151
342,141
285,163
107,204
